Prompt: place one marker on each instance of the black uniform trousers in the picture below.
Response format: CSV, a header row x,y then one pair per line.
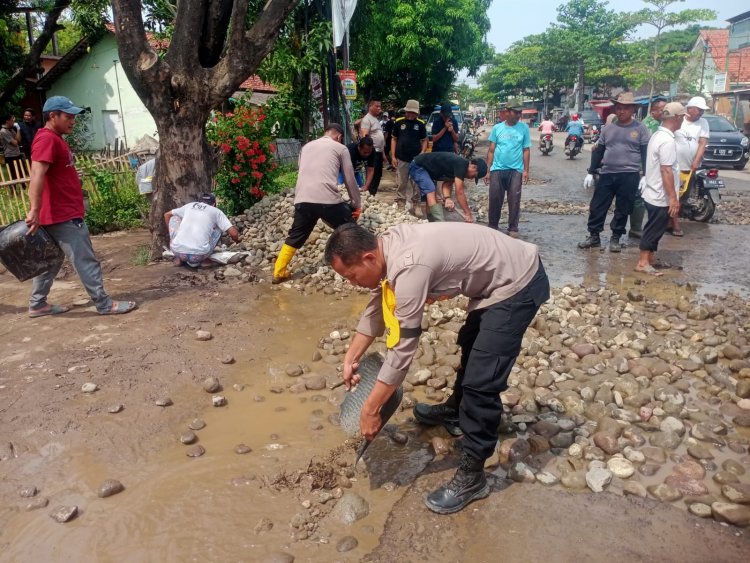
x,y
490,342
621,187
377,173
306,216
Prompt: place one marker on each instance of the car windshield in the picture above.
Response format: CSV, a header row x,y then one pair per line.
x,y
719,124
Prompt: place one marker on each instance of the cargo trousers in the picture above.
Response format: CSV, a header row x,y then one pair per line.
x,y
490,342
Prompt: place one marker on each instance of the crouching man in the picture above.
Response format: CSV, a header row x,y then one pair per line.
x,y
195,230
405,269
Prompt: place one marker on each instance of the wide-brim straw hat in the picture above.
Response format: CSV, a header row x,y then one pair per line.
x,y
624,98
412,105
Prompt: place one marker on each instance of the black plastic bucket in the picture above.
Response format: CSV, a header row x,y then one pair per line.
x,y
27,256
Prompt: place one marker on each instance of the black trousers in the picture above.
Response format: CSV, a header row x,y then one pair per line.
x,y
656,226
490,342
622,188
306,216
377,173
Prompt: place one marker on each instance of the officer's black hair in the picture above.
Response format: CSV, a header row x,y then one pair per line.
x,y
349,242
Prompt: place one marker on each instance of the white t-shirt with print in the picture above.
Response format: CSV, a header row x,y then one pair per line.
x,y
198,220
688,137
662,151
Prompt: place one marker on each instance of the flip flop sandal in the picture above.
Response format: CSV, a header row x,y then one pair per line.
x,y
121,308
650,270
49,310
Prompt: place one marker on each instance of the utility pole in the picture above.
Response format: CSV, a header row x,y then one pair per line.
x,y
581,85
703,66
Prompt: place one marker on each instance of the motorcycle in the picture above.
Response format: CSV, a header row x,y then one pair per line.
x,y
573,146
698,198
467,149
545,143
595,133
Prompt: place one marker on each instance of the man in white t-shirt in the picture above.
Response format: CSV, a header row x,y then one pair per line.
x,y
370,127
659,191
691,138
195,230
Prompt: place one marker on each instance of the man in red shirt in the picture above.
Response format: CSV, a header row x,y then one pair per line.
x,y
56,200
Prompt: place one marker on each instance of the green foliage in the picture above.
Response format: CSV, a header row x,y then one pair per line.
x,y
286,178
142,256
80,138
12,47
284,112
405,49
247,170
117,204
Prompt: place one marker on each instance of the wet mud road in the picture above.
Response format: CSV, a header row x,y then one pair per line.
x,y
226,506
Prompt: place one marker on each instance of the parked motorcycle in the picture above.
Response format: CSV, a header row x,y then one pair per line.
x,y
545,143
698,198
467,149
595,133
573,145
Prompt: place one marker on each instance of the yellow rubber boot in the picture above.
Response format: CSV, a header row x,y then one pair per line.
x,y
286,254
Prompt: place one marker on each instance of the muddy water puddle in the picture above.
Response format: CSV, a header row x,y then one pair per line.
x,y
176,508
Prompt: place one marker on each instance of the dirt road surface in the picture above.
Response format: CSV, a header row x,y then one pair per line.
x,y
224,506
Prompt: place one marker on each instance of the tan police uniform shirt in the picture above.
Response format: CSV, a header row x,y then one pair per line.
x,y
319,165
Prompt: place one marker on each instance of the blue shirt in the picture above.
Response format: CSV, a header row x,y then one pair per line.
x,y
575,128
509,144
444,143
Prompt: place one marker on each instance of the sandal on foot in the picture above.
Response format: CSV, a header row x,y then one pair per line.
x,y
649,270
120,308
48,310
677,233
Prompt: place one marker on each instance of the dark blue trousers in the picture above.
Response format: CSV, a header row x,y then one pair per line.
x,y
622,188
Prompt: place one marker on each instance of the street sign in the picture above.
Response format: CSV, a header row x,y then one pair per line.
x,y
349,83
720,82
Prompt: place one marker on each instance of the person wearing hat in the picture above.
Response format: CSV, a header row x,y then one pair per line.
x,y
409,140
317,196
691,139
508,159
56,203
405,269
659,190
195,230
429,168
619,157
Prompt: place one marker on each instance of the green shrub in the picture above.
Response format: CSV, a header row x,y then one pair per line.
x,y
115,201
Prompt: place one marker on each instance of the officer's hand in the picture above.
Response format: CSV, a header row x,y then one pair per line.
x,y
588,181
356,212
349,374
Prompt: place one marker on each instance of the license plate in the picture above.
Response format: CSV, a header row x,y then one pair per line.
x,y
713,183
723,152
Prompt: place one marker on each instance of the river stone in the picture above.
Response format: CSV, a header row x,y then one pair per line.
x,y
264,525
672,424
38,502
188,437
89,387
293,370
562,440
242,449
347,543
725,477
109,487
211,385
521,473
699,451
737,493
686,485
700,510
315,382
163,402
547,478
350,508
196,451
634,488
218,400
664,492
64,514
667,440
203,335
631,454
660,324
703,432
690,468
545,428
620,467
743,388
648,469
583,349
28,492
114,409
656,455
440,445
733,466
574,480
278,557
597,478
737,514
197,424
607,441
731,352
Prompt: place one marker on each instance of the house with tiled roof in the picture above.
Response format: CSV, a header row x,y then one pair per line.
x,y
717,63
90,74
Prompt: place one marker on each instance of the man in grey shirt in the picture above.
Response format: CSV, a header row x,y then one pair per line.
x,y
619,157
404,269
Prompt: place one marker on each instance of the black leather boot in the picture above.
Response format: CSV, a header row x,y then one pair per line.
x,y
468,484
435,415
592,241
614,244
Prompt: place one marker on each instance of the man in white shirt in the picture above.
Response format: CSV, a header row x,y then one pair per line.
x,y
691,139
370,127
659,191
195,230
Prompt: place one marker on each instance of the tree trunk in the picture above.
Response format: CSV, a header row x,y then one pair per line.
x,y
185,173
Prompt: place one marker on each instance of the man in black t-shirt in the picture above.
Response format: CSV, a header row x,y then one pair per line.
x,y
409,139
429,168
362,152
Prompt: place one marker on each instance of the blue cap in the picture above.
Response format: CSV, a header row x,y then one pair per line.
x,y
61,103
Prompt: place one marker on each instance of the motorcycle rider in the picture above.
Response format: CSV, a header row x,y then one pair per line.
x,y
691,139
621,154
547,127
575,127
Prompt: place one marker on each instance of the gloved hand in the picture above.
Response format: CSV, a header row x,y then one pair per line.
x,y
356,212
588,181
642,184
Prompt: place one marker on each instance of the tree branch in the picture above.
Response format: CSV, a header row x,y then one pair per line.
x,y
31,62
